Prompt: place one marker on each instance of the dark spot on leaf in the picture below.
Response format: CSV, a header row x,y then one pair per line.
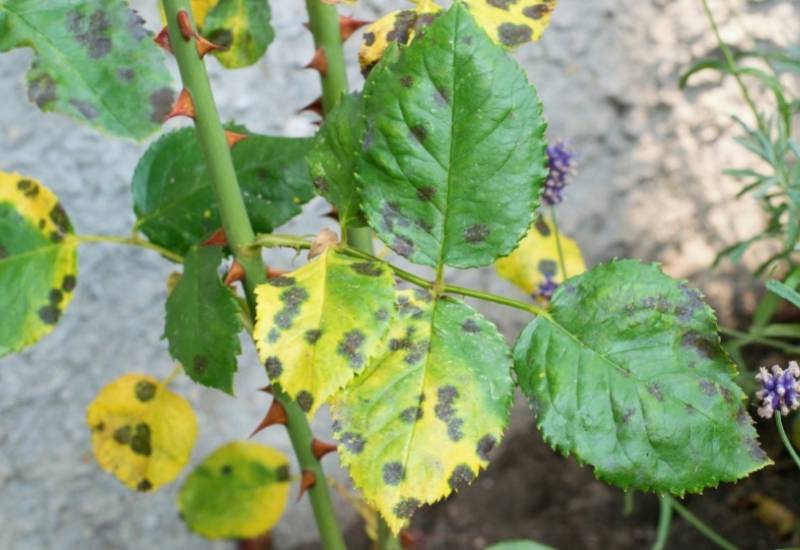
x,y
262,173
100,427
708,387
321,184
312,335
391,216
419,131
393,473
536,12
144,485
502,4
423,295
663,304
281,281
68,284
370,269
485,446
274,367
688,408
655,391
755,450
425,225
368,138
369,38
513,35
59,217
411,414
542,227
273,335
122,435
126,75
222,38
336,426
445,411
140,442
426,194
42,90
292,299
56,296
381,315
161,104
92,34
282,472
476,233
627,414
407,81
403,246
742,418
226,470
462,475
353,442
424,21
402,26
49,314
144,390
304,400
406,508
349,347
467,40
407,309
727,395
547,267
702,345
84,108
416,352
200,363
454,429
28,188
470,326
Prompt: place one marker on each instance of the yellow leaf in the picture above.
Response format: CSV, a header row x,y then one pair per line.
x,y
238,492
512,23
536,257
200,9
142,433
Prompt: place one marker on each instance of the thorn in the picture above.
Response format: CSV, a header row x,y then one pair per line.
x,y
319,62
308,480
272,272
321,448
348,25
162,39
185,25
235,273
266,389
275,415
204,46
218,238
233,138
184,106
314,107
411,539
333,214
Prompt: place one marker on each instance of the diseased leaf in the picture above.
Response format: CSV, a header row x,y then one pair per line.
x,y
332,160
94,62
627,373
238,492
535,261
142,433
203,323
454,152
241,27
421,420
512,23
38,261
399,27
319,326
174,199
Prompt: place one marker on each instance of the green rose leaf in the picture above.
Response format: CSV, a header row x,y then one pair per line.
x,y
95,62
421,420
319,326
332,159
454,152
627,373
242,28
238,492
203,323
38,261
174,198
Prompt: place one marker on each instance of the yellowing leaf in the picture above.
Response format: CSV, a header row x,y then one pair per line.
x,y
319,326
535,261
38,261
200,9
512,22
238,492
142,433
398,26
421,420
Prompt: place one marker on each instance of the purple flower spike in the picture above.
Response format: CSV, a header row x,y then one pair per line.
x,y
780,390
561,161
547,287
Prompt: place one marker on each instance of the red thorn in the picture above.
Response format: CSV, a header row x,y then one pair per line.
x,y
319,62
272,272
321,448
314,107
308,480
185,24
233,138
184,106
266,389
348,25
275,415
235,273
162,39
218,238
333,214
411,539
204,46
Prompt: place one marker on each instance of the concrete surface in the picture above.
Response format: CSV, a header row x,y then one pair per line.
x,y
650,186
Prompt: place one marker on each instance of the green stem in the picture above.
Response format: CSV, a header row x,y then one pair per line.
x,y
561,262
731,61
707,531
387,540
240,236
785,439
130,241
324,25
755,337
627,507
664,522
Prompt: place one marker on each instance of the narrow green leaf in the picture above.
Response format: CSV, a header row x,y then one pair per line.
x,y
454,152
238,492
332,159
626,372
319,326
241,28
421,420
787,293
38,261
95,62
203,324
173,196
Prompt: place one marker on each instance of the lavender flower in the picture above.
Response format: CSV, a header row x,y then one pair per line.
x,y
780,390
547,287
561,161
